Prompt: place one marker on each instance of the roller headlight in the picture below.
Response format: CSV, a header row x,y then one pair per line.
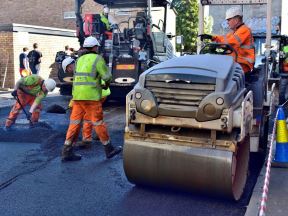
x,y
138,95
209,109
219,101
146,105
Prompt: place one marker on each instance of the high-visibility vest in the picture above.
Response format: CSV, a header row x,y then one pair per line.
x,y
243,43
90,70
285,62
105,21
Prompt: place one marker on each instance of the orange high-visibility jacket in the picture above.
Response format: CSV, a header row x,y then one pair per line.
x,y
243,43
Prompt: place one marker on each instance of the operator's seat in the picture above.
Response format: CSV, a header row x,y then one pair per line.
x,y
255,81
140,25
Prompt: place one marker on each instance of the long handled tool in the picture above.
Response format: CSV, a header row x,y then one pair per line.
x,y
17,99
35,124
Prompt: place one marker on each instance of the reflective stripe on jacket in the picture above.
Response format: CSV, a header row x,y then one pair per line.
x,y
243,43
90,70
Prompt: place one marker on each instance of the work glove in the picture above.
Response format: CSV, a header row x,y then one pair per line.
x,y
29,115
70,105
14,93
205,36
105,85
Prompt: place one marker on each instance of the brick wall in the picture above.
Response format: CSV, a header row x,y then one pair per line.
x,y
6,60
42,12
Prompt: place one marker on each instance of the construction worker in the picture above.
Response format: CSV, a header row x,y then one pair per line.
x,y
105,19
87,94
284,76
68,66
240,38
29,90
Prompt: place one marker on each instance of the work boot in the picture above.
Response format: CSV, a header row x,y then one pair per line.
x,y
84,144
111,151
68,154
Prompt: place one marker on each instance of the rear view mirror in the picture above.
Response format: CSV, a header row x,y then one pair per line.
x,y
170,35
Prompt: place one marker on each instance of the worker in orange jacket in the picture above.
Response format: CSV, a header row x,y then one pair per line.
x,y
240,38
29,90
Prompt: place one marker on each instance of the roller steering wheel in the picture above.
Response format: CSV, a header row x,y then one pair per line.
x,y
218,49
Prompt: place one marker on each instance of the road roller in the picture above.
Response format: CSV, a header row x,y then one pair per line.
x,y
191,123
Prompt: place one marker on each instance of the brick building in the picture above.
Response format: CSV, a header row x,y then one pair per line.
x,y
42,12
23,23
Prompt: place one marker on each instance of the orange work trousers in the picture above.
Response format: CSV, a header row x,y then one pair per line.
x,y
24,99
87,111
88,127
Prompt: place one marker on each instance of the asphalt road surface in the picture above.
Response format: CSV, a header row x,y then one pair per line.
x,y
33,181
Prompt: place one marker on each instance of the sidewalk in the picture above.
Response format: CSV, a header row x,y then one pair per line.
x,y
276,204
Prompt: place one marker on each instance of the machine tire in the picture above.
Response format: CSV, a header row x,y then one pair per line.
x,y
223,172
64,77
263,136
66,90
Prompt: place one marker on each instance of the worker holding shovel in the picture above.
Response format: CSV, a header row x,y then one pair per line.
x,y
29,90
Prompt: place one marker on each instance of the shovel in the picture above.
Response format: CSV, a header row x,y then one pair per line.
x,y
31,124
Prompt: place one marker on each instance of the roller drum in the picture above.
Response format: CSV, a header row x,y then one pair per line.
x,y
205,170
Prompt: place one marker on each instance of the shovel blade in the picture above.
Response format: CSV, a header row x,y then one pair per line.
x,y
40,124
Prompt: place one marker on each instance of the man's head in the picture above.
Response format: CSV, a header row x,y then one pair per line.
x,y
234,17
25,49
35,46
106,10
66,48
91,43
68,65
49,85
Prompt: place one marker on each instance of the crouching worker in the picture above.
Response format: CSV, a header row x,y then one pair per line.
x,y
68,66
29,90
87,106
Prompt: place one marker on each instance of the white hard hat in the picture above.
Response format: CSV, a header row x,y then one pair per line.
x,y
67,61
50,84
106,9
233,11
90,42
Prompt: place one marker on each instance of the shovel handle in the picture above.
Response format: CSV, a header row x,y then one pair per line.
x,y
17,99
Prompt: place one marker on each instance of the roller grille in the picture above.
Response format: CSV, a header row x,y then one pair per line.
x,y
179,94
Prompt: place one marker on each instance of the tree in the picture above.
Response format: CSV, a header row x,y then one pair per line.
x,y
187,22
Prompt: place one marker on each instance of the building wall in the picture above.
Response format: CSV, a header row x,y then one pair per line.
x,y
42,12
48,13
12,44
49,45
6,60
249,11
284,26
